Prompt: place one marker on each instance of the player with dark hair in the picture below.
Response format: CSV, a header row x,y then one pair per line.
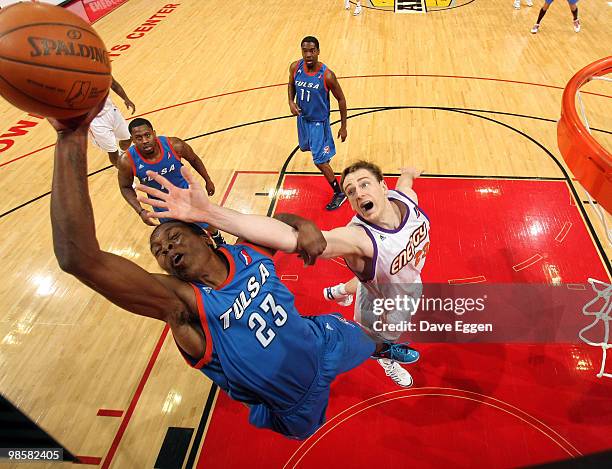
x,y
162,155
310,82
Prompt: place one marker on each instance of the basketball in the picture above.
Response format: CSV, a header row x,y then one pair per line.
x,y
52,63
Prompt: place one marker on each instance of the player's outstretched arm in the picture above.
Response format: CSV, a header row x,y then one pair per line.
x,y
74,236
405,181
192,205
345,241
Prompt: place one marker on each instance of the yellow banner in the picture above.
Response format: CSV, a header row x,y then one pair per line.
x,y
438,3
383,3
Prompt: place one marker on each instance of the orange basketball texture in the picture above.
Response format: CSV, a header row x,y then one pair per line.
x,y
52,62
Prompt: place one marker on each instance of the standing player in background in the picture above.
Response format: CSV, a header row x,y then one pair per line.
x,y
385,245
310,82
347,6
517,4
161,155
109,126
573,4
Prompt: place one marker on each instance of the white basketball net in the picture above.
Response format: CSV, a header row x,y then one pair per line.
x,y
603,293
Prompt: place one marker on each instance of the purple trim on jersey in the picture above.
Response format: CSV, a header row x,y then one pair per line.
x,y
417,205
380,228
374,257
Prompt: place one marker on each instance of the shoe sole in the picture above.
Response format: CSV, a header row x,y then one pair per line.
x,y
402,385
405,385
335,208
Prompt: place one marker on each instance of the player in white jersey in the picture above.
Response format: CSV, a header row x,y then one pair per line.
x,y
357,244
396,269
110,127
399,231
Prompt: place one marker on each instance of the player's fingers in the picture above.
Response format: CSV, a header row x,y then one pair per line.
x,y
152,202
305,258
158,215
188,176
150,222
310,260
151,191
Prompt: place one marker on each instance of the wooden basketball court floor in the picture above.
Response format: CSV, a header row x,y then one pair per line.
x,y
466,93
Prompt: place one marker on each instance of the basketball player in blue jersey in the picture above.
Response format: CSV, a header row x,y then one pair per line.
x,y
310,82
385,245
162,155
573,4
231,317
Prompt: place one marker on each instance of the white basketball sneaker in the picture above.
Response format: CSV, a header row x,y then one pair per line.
x,y
577,26
535,29
529,3
347,5
393,370
357,10
338,294
517,4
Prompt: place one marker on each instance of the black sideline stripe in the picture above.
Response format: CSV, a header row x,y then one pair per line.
x,y
174,448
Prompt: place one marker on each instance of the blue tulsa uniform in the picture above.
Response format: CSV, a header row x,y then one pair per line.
x,y
312,97
168,165
262,352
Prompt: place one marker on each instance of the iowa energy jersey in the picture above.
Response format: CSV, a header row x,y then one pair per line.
x,y
258,348
399,257
312,95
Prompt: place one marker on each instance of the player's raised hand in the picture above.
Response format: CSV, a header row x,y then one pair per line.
x,y
411,172
188,205
77,123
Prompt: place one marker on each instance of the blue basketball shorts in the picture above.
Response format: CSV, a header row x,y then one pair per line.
x,y
571,2
317,137
344,346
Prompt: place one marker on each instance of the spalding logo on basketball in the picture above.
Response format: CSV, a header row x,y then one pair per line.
x,y
52,62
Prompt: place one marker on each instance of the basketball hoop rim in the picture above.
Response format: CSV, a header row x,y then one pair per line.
x,y
590,162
